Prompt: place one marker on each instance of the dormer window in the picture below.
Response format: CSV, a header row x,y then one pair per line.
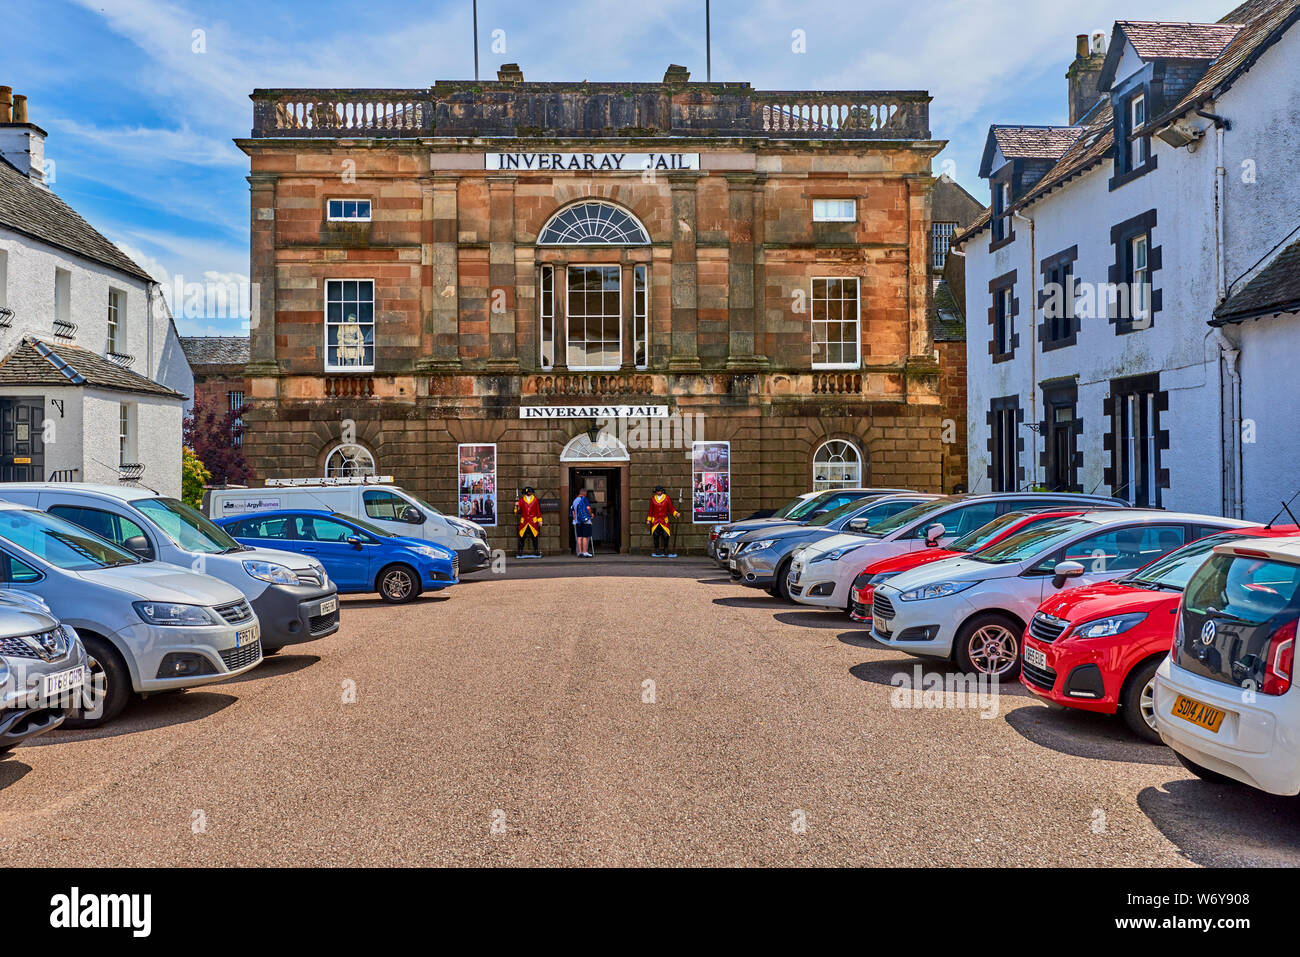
x,y
1001,218
1137,145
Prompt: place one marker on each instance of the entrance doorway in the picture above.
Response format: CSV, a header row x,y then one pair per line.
x,y
22,453
604,496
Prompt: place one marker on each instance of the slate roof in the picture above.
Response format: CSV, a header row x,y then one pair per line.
x,y
947,323
1275,289
37,362
1034,142
39,213
215,350
1153,40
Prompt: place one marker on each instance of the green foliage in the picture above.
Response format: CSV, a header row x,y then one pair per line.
x,y
194,476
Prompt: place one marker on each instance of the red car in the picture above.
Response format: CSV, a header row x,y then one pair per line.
x,y
1097,647
864,586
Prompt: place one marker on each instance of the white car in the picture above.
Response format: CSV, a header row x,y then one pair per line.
x,y
974,609
822,574
1224,699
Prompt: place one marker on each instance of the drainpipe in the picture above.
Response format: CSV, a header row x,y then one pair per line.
x,y
1032,338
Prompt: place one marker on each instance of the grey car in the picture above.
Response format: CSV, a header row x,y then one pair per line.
x,y
43,670
799,511
761,558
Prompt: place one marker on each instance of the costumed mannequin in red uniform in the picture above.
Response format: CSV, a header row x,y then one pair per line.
x,y
661,512
529,510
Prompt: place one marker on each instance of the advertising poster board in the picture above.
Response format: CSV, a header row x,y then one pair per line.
x,y
478,483
710,482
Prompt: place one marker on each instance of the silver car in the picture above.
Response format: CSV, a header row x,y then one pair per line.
x,y
149,626
43,670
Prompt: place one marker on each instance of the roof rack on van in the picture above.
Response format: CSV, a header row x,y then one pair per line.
x,y
332,480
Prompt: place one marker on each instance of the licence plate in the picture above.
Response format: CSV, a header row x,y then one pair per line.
x,y
244,637
1035,657
883,625
328,605
61,683
732,564
1198,713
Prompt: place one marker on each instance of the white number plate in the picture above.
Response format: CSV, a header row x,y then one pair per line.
x,y
245,637
328,605
882,625
731,563
1035,657
61,683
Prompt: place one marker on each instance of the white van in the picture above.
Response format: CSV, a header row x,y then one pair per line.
x,y
373,498
294,599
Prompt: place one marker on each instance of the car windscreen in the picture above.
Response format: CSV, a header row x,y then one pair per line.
x,y
1174,570
59,542
979,537
362,523
1032,541
908,516
848,508
785,510
188,528
808,506
425,506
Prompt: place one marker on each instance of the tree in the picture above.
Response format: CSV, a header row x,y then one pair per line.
x,y
193,478
216,437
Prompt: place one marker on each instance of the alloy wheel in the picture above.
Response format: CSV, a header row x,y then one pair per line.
x,y
994,650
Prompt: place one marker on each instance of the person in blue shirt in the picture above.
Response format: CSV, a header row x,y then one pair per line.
x,y
581,513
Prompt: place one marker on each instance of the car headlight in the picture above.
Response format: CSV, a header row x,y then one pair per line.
x,y
430,552
1105,627
167,613
937,590
271,572
765,543
836,554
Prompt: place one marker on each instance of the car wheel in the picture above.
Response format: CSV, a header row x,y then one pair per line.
x,y
1138,701
990,645
1205,774
398,584
782,586
109,686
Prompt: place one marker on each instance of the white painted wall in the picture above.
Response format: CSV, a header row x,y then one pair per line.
x,y
1265,128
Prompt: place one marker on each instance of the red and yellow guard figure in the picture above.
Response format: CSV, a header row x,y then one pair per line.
x,y
529,510
662,512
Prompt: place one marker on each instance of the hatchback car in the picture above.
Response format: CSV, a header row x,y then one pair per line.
x,y
43,670
1224,699
149,626
974,609
359,555
761,558
1097,648
822,573
1004,526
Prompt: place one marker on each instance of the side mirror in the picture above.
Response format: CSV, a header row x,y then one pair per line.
x,y
820,511
412,515
933,534
356,541
1065,571
138,545
858,524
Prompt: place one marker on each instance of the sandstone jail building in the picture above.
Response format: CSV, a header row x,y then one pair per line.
x,y
496,264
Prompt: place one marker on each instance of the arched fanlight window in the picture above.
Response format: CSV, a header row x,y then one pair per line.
x,y
836,464
348,461
593,223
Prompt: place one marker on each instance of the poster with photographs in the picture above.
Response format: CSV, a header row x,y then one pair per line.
x,y
710,482
478,483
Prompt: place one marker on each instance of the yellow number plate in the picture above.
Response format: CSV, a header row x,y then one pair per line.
x,y
1198,713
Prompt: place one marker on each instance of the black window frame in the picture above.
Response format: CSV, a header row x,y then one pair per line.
x,y
1121,107
1120,272
1003,310
1061,476
1058,332
1150,402
1004,419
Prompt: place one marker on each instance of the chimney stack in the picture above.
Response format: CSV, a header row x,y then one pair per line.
x,y
1081,77
676,74
22,142
510,73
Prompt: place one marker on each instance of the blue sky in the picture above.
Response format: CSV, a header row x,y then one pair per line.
x,y
141,114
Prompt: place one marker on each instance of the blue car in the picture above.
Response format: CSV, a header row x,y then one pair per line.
x,y
359,556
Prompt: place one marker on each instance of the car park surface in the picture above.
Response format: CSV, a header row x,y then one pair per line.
x,y
762,715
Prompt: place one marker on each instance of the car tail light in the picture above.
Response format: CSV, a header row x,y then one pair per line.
x,y
1281,657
